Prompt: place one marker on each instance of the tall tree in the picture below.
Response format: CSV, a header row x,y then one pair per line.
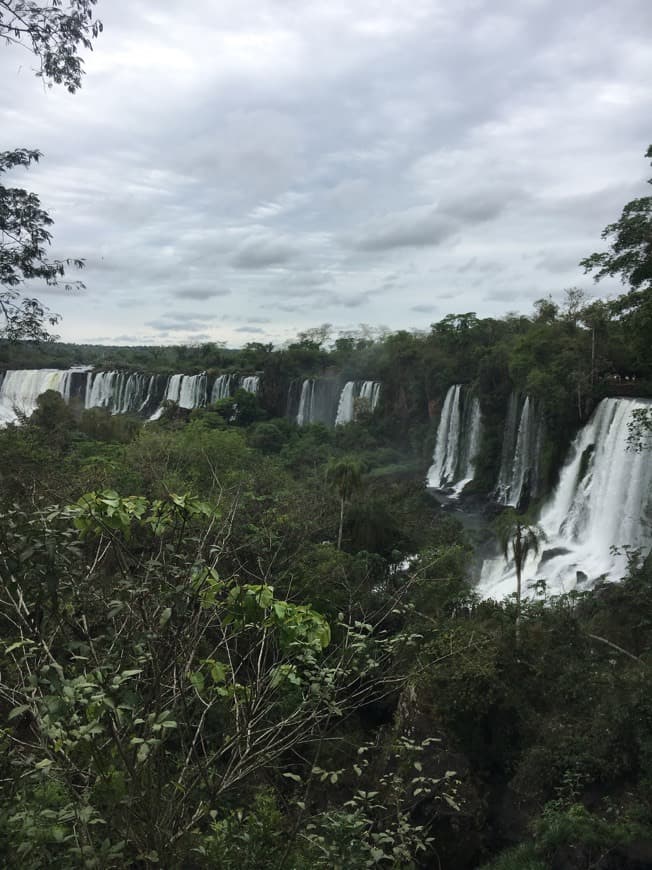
x,y
518,539
346,476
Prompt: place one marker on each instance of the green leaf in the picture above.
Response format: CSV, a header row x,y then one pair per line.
x,y
18,711
197,680
293,776
46,762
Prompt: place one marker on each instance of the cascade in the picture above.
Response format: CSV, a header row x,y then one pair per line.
x,y
346,407
99,389
188,391
317,401
21,388
121,392
370,391
446,445
519,467
304,414
352,390
603,500
250,383
458,440
507,454
472,432
150,395
221,388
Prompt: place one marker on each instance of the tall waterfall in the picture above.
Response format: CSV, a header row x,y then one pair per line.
x,y
603,500
519,467
458,441
346,408
472,432
304,414
20,389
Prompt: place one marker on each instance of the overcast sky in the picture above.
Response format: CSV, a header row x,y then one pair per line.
x,y
243,169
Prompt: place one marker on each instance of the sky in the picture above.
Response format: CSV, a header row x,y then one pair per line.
x,y
242,170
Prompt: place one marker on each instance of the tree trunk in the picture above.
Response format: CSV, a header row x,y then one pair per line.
x,y
517,623
339,534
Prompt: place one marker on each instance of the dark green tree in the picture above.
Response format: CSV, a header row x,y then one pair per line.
x,y
630,252
345,475
53,33
24,238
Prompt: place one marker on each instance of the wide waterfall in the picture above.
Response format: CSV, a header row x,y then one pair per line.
x,y
20,389
458,440
601,507
519,468
119,392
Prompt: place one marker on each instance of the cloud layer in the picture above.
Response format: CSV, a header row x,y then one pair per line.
x,y
242,170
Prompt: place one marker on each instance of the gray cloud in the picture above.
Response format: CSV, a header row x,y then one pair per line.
x,y
255,146
261,250
200,292
420,226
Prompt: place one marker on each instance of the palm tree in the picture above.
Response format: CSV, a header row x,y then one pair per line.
x,y
346,476
518,539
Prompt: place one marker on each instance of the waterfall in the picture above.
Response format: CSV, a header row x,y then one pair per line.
x,y
352,390
346,407
317,401
370,391
446,447
603,500
250,383
118,391
519,467
221,388
188,391
472,429
507,454
458,441
21,388
304,414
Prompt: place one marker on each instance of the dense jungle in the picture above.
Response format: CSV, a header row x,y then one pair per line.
x,y
230,639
